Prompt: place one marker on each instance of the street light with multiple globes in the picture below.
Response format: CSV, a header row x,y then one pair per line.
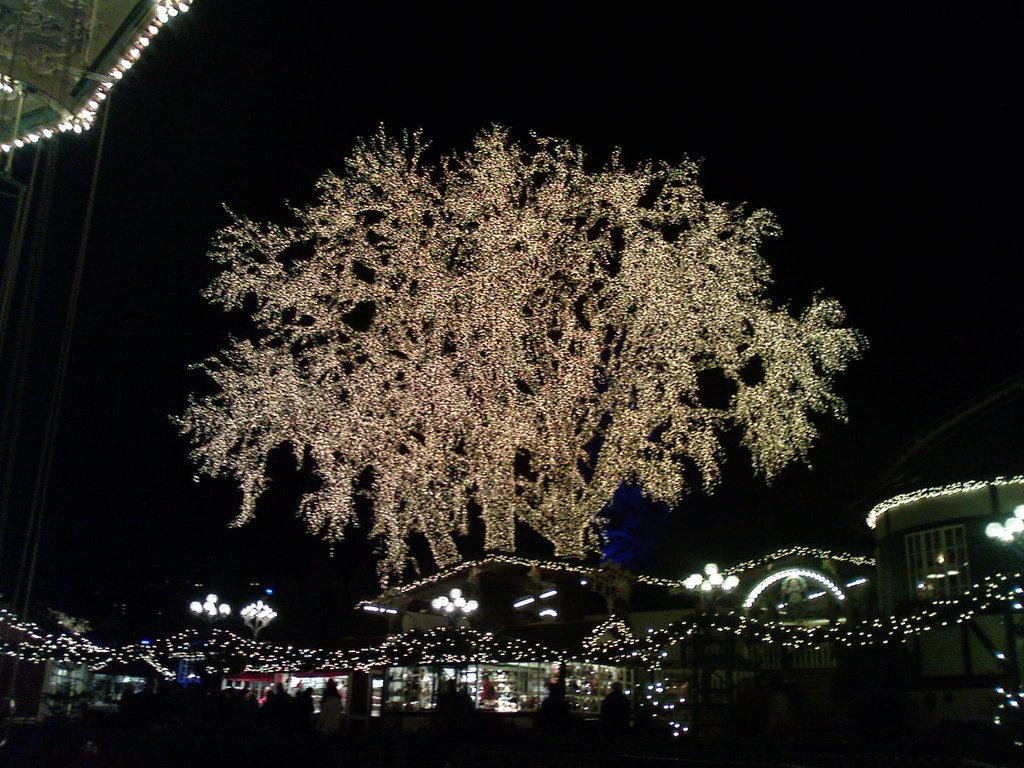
x,y
256,616
211,608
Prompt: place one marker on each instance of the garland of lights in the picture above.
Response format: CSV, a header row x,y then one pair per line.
x,y
472,331
162,12
448,573
931,493
612,625
801,551
665,705
221,649
588,572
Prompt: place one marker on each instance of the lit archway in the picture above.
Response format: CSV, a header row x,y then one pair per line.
x,y
788,573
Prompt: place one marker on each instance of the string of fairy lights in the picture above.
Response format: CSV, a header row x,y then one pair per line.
x,y
953,489
612,641
162,13
589,572
506,329
802,551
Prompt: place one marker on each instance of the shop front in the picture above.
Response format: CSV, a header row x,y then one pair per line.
x,y
514,687
360,692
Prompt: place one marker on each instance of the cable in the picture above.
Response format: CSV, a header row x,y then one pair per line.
x,y
27,327
10,427
57,395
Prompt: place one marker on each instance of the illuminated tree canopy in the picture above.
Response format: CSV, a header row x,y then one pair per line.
x,y
506,329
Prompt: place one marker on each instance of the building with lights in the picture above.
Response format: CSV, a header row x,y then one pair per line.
x,y
675,645
843,639
938,561
44,669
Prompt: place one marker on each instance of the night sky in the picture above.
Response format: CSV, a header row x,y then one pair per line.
x,y
885,139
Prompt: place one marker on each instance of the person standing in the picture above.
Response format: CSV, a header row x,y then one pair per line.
x,y
329,721
615,711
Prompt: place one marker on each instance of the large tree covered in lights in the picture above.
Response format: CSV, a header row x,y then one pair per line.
x,y
508,331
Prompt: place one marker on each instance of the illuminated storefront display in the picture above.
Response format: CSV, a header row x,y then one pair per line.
x,y
316,681
294,684
511,687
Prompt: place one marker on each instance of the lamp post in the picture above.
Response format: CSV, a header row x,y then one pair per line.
x,y
711,583
454,605
256,616
1011,530
211,608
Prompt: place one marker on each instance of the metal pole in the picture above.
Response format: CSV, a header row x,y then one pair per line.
x,y
17,126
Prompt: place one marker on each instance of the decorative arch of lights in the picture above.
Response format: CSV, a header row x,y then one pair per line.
x,y
786,573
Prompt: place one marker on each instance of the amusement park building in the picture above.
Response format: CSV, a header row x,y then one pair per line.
x,y
933,552
931,625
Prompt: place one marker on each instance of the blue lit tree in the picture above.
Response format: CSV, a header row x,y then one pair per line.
x,y
634,529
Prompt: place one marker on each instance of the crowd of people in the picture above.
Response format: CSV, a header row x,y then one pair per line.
x,y
273,709
455,708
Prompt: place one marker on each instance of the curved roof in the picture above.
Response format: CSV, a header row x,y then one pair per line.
x,y
952,489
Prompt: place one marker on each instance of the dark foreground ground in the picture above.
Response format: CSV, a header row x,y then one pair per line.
x,y
112,744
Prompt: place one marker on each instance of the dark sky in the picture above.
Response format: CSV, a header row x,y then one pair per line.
x,y
885,139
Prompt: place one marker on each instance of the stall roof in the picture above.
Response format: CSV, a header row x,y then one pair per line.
x,y
131,668
567,635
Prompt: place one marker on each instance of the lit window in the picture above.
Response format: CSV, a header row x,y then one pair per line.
x,y
937,563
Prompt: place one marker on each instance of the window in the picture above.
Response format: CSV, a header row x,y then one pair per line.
x,y
510,687
937,563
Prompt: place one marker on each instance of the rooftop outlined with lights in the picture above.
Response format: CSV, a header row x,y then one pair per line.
x,y
56,69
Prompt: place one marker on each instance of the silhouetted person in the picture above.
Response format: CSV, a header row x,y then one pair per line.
x,y
329,722
615,711
447,710
465,703
266,707
277,708
144,704
126,705
304,711
553,715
